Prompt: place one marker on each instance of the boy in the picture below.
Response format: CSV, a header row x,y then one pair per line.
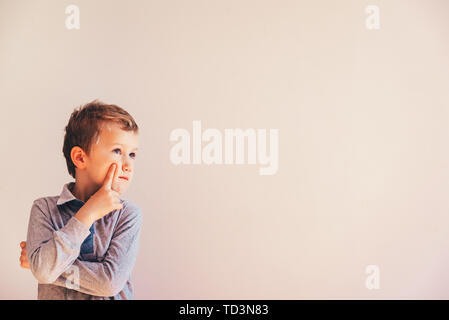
x,y
83,243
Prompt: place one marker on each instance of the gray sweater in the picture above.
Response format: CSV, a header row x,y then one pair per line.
x,y
71,261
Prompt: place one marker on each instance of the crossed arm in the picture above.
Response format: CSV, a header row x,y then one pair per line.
x,y
51,255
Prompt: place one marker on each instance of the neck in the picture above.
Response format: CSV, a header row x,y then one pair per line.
x,y
82,190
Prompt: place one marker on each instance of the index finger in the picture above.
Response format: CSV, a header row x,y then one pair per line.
x,y
110,176
23,244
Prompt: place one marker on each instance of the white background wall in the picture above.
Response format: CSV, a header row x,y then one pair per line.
x,y
362,115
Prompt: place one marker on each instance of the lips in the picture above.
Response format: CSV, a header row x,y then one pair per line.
x,y
125,178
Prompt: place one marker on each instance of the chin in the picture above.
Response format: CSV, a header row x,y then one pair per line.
x,y
119,187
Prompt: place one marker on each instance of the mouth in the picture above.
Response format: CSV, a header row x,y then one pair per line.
x,y
124,178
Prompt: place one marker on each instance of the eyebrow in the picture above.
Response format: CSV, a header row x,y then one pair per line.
x,y
135,149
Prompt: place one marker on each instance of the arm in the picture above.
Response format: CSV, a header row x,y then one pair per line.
x,y
109,277
51,252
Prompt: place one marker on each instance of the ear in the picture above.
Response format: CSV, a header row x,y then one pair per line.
x,y
78,157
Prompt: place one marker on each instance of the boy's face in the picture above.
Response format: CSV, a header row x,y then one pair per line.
x,y
113,145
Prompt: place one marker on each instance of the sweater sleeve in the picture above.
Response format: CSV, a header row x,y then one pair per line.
x,y
51,252
108,277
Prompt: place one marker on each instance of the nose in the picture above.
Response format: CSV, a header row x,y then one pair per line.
x,y
126,166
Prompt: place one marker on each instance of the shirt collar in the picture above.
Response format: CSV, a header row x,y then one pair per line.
x,y
66,194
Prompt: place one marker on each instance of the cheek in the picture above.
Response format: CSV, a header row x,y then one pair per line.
x,y
99,171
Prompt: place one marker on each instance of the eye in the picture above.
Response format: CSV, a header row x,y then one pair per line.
x,y
133,155
119,151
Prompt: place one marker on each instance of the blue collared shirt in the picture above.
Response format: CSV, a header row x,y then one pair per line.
x,y
71,261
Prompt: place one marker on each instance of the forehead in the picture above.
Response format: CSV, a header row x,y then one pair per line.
x,y
112,133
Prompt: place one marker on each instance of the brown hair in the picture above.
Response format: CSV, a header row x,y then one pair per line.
x,y
85,124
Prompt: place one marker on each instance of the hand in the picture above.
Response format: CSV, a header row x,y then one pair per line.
x,y
101,202
23,256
